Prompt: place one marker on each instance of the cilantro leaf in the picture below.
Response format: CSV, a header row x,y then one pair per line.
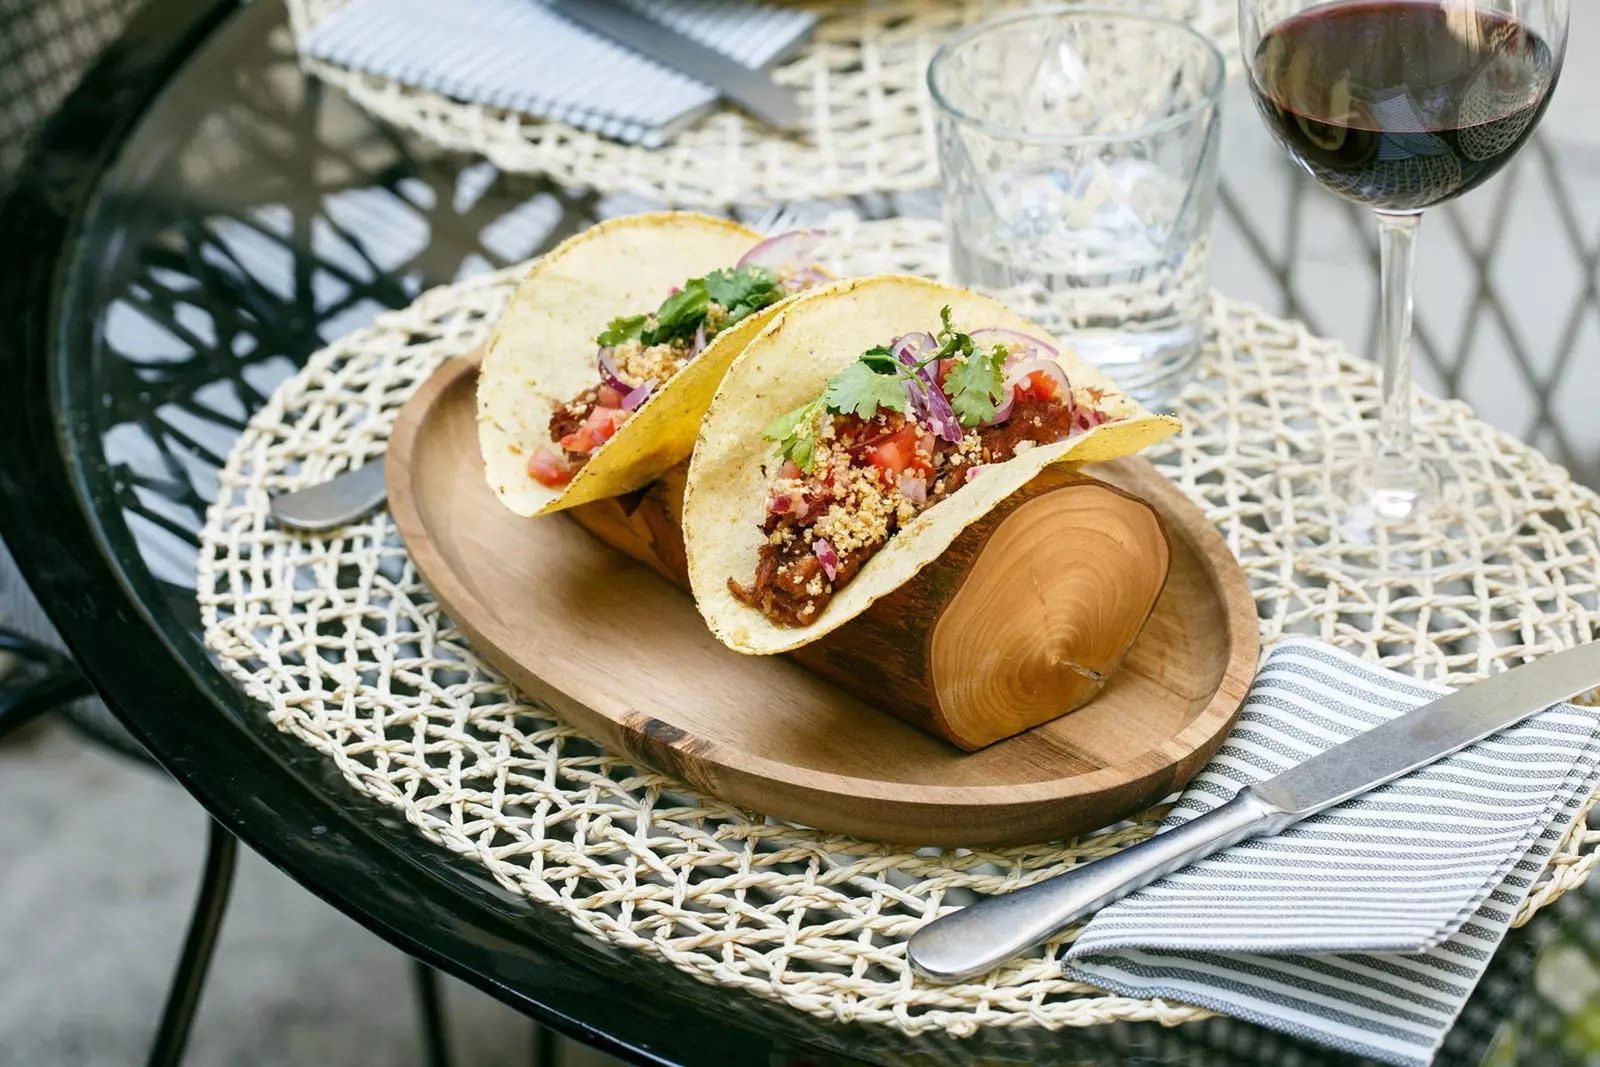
x,y
618,330
796,434
952,342
976,385
859,390
743,287
679,313
881,359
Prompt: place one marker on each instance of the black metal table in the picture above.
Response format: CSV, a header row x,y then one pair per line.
x,y
193,223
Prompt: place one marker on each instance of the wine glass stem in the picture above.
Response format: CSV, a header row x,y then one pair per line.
x,y
1397,241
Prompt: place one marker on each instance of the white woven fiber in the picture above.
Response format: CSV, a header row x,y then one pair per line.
x,y
869,127
339,640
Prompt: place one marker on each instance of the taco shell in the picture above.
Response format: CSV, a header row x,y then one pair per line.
x,y
542,353
810,338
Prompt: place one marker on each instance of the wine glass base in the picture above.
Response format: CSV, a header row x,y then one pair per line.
x,y
1361,514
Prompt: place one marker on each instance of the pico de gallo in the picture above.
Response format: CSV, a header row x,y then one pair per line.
x,y
639,353
895,432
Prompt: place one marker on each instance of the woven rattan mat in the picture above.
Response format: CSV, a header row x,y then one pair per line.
x,y
339,640
869,125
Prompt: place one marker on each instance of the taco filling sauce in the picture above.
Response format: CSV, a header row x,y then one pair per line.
x,y
892,435
640,353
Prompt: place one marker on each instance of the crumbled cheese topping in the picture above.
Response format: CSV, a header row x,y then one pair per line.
x,y
637,363
859,513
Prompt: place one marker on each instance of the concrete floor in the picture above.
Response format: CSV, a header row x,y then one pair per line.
x,y
99,858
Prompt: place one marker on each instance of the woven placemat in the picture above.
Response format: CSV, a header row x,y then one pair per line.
x,y
869,124
339,640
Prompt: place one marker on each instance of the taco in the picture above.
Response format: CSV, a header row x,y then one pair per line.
x,y
860,432
596,375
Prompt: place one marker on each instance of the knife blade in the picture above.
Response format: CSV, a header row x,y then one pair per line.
x,y
975,940
752,90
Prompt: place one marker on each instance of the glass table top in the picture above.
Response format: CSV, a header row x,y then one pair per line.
x,y
251,215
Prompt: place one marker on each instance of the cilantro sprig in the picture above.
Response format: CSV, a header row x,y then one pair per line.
x,y
796,433
618,330
741,291
976,381
879,380
861,390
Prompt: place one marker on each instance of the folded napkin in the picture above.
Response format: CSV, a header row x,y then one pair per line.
x,y
519,54
1367,926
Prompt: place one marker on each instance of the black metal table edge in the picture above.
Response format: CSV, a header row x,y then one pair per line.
x,y
49,534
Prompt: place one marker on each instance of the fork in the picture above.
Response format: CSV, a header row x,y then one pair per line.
x,y
356,493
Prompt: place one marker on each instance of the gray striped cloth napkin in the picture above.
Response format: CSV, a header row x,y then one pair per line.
x,y
1367,926
520,55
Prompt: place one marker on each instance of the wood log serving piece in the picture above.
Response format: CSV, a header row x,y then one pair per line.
x,y
1022,619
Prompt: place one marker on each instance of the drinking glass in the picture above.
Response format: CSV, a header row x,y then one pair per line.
x,y
1400,105
1078,163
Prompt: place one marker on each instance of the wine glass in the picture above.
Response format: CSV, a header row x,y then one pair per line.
x,y
1399,105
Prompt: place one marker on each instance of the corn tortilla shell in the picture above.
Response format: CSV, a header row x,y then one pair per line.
x,y
812,337
542,353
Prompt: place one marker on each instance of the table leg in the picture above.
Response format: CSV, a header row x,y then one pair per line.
x,y
435,1038
544,1046
47,680
183,997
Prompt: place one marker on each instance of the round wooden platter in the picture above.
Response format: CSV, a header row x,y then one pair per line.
x,y
623,655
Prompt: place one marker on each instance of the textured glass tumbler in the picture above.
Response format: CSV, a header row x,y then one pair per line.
x,y
1078,158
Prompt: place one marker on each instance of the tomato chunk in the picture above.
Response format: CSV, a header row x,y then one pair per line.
x,y
894,453
609,397
549,469
1039,385
596,430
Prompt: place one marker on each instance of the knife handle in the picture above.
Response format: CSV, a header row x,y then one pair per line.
x,y
975,940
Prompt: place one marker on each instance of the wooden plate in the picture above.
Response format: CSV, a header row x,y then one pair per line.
x,y
624,656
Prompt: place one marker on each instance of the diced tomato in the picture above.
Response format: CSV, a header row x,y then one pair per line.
x,y
547,468
895,453
1038,385
609,397
789,469
596,430
944,369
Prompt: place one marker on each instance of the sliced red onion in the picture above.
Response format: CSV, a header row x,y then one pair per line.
x,y
1019,374
826,556
972,472
699,344
608,371
913,488
1087,418
928,402
638,396
793,249
1021,371
1003,412
781,504
912,343
1000,335
805,278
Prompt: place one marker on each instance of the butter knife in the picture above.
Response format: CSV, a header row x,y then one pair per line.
x,y
752,90
977,939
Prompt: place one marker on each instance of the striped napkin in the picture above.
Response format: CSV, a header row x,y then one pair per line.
x,y
1367,926
521,55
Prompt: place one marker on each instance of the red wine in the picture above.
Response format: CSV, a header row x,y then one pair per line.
x,y
1402,104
